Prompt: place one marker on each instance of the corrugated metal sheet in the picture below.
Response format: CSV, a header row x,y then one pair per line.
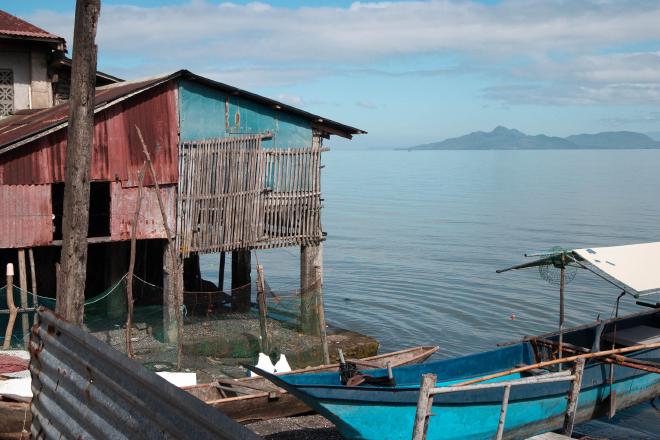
x,y
150,223
85,389
117,154
25,216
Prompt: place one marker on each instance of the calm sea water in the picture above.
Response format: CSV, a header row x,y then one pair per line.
x,y
414,239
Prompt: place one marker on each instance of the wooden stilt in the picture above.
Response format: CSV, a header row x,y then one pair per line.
x,y
573,395
22,282
311,257
11,306
424,405
505,406
263,311
240,280
221,272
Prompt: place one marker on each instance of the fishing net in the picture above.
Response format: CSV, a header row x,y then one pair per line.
x,y
221,331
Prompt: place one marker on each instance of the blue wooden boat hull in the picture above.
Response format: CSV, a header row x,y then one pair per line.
x,y
376,412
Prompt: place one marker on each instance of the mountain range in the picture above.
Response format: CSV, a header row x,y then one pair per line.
x,y
502,138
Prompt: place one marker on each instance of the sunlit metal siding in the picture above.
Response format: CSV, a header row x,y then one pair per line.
x,y
25,216
150,221
117,151
84,389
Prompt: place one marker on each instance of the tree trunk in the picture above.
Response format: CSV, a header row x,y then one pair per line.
x,y
75,222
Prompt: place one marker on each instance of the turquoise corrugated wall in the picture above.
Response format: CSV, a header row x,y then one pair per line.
x,y
202,116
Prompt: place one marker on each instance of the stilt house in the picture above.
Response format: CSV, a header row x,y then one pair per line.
x,y
237,171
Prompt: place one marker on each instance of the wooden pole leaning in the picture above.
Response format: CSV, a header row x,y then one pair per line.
x,y
424,405
175,262
503,410
131,263
33,279
13,311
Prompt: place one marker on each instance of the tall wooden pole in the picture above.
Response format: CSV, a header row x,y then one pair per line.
x,y
10,306
75,222
562,278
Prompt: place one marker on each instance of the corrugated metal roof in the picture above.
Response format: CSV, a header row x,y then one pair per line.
x,y
84,389
117,152
12,26
18,130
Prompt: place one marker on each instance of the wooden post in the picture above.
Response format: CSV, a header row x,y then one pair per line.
x,y
573,395
240,280
221,273
131,264
22,283
424,405
33,280
11,306
311,257
505,406
170,282
263,310
320,311
75,222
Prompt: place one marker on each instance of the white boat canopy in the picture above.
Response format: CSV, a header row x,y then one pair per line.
x,y
636,266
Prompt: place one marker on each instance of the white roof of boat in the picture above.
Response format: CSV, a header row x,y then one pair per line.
x,y
636,266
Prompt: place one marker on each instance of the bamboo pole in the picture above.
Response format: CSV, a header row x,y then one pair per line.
x,y
558,361
131,263
11,306
176,266
424,405
562,279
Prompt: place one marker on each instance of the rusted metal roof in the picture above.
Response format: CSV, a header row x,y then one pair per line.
x,y
13,27
85,389
117,152
26,219
19,130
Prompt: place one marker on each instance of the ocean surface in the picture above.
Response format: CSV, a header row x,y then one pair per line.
x,y
414,239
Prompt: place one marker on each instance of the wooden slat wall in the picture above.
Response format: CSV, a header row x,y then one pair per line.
x,y
235,195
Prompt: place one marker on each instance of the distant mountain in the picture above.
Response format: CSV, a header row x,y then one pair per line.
x,y
655,135
502,138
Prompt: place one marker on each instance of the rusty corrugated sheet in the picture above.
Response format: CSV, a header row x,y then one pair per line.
x,y
26,216
85,389
150,223
117,154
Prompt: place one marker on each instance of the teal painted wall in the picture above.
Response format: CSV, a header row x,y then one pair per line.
x,y
202,116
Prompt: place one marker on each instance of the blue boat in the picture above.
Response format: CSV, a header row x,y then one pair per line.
x,y
521,392
388,412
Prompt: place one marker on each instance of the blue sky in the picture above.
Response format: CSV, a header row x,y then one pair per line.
x,y
408,72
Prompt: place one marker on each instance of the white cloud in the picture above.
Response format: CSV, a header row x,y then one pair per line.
x,y
291,99
366,31
552,43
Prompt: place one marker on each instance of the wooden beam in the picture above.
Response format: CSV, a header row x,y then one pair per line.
x,y
23,285
11,306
